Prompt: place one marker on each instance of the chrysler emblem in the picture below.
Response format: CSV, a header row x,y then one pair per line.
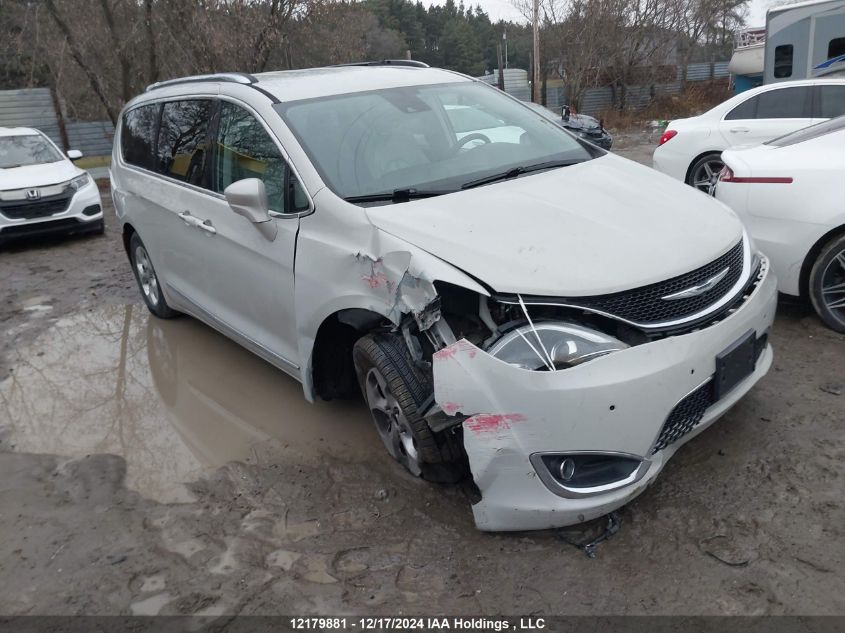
x,y
33,194
700,289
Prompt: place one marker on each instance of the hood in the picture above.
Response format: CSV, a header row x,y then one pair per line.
x,y
597,227
581,122
37,175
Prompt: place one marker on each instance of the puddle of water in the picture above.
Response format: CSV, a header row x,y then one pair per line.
x,y
151,605
174,398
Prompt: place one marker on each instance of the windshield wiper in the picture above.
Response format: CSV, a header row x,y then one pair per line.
x,y
397,195
520,170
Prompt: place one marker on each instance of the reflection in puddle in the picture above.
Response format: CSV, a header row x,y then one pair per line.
x,y
174,398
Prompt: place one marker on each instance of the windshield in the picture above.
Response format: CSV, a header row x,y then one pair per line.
x,y
436,137
809,133
28,149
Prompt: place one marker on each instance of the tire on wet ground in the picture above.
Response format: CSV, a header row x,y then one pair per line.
x,y
440,456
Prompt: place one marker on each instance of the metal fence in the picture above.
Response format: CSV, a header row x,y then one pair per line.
x,y
34,107
31,107
92,138
597,99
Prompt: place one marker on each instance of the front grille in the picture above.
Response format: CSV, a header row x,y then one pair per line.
x,y
24,230
26,210
689,412
685,416
645,305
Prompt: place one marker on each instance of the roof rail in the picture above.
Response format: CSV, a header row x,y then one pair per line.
x,y
238,78
413,63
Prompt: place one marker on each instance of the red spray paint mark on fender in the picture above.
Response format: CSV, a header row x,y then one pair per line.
x,y
450,408
492,422
376,280
462,346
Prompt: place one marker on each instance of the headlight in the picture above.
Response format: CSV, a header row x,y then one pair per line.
x,y
561,344
79,182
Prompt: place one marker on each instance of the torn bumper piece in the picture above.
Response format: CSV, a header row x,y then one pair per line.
x,y
616,405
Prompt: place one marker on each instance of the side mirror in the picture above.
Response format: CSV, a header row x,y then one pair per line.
x,y
248,198
74,154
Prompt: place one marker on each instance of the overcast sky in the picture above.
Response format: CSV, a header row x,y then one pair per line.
x,y
504,10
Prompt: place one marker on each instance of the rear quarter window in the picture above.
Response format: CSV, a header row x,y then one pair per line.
x,y
138,136
744,110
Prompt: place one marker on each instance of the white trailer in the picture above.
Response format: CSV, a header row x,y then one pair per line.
x,y
805,40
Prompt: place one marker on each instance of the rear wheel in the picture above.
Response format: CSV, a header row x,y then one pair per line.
x,y
705,171
147,279
827,284
396,390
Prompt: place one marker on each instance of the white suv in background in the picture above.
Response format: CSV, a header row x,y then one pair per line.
x,y
690,149
504,311
41,191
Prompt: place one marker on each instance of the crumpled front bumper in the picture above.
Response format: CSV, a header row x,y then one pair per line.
x,y
617,403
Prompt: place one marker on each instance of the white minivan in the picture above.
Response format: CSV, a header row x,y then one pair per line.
x,y
522,307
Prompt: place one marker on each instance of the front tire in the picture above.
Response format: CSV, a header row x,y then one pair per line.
x,y
704,171
395,390
148,282
827,284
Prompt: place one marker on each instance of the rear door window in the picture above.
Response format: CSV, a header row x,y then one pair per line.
x,y
784,103
245,149
831,101
183,143
138,135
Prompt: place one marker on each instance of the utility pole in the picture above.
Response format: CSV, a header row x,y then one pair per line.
x,y
505,37
501,82
535,79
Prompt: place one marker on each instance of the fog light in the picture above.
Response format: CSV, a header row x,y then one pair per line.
x,y
94,209
567,469
589,470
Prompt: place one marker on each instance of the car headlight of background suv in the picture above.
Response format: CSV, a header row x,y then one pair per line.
x,y
558,345
79,182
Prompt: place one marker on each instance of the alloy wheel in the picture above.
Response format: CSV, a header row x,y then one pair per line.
x,y
833,287
392,425
146,276
706,174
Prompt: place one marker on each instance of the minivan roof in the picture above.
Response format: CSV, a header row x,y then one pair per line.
x,y
309,83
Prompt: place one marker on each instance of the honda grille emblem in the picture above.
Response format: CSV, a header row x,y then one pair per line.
x,y
700,289
33,194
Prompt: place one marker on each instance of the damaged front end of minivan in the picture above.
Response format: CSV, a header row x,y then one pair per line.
x,y
562,409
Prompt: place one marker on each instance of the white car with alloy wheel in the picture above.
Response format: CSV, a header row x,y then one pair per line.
x,y
41,191
789,194
524,308
690,149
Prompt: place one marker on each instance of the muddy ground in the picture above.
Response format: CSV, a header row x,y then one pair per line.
x,y
155,467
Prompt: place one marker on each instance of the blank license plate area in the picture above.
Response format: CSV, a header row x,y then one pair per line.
x,y
734,364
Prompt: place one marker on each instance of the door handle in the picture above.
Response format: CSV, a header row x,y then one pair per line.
x,y
740,130
188,219
207,227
